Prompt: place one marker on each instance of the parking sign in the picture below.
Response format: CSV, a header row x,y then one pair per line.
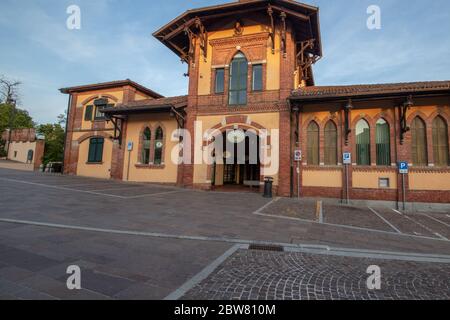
x,y
347,158
403,167
298,155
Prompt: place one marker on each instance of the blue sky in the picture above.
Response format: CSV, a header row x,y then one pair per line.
x,y
115,43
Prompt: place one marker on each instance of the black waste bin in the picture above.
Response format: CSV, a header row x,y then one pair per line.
x,y
268,181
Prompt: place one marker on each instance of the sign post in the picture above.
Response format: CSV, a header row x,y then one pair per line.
x,y
298,159
403,169
129,149
347,160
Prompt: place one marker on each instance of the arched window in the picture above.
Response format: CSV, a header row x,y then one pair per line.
x,y
313,143
238,80
159,143
419,142
330,147
362,143
440,142
146,138
383,142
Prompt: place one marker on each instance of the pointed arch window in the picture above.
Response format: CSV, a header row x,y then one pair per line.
x,y
362,143
440,142
238,80
419,142
146,138
330,148
313,143
159,144
383,142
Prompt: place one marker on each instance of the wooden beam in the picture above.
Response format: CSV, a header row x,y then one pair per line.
x,y
292,13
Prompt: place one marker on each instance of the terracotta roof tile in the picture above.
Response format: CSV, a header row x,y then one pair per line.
x,y
369,89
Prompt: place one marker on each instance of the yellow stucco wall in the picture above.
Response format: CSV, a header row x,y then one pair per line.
x,y
267,120
166,175
102,170
22,151
429,181
370,180
117,93
272,62
322,178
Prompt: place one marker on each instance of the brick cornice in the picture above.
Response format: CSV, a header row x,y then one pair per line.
x,y
240,40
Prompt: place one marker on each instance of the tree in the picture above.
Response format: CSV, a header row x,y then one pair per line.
x,y
54,142
9,91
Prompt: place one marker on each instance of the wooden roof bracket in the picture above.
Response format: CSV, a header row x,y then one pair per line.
x,y
347,129
118,127
272,27
304,59
283,33
203,36
402,110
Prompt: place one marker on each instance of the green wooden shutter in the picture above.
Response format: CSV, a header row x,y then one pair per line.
x,y
88,113
92,147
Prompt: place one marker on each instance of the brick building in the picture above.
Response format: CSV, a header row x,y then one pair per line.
x,y
250,74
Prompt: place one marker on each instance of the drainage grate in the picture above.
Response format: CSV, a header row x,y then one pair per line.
x,y
265,247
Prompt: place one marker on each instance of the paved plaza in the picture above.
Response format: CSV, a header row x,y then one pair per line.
x,y
144,241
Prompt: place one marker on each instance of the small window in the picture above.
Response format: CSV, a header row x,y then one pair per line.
x,y
220,79
95,150
257,77
159,143
98,114
15,154
383,183
88,113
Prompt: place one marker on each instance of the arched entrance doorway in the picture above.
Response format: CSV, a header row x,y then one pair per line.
x,y
237,160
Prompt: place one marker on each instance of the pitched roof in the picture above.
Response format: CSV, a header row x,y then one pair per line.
x,y
109,85
370,90
148,105
305,18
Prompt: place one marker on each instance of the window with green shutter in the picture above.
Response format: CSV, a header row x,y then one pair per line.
x,y
96,150
313,143
146,138
362,143
440,142
88,113
330,148
383,141
419,142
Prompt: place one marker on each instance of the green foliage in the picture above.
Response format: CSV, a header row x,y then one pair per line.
x,y
21,118
54,142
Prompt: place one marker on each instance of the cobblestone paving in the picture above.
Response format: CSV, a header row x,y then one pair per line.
x,y
252,275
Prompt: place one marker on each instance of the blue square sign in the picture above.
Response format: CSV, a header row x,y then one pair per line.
x,y
403,167
347,158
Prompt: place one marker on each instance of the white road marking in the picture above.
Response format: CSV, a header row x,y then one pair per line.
x,y
348,227
377,254
396,211
156,194
90,192
60,188
202,275
426,228
436,219
385,220
266,205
